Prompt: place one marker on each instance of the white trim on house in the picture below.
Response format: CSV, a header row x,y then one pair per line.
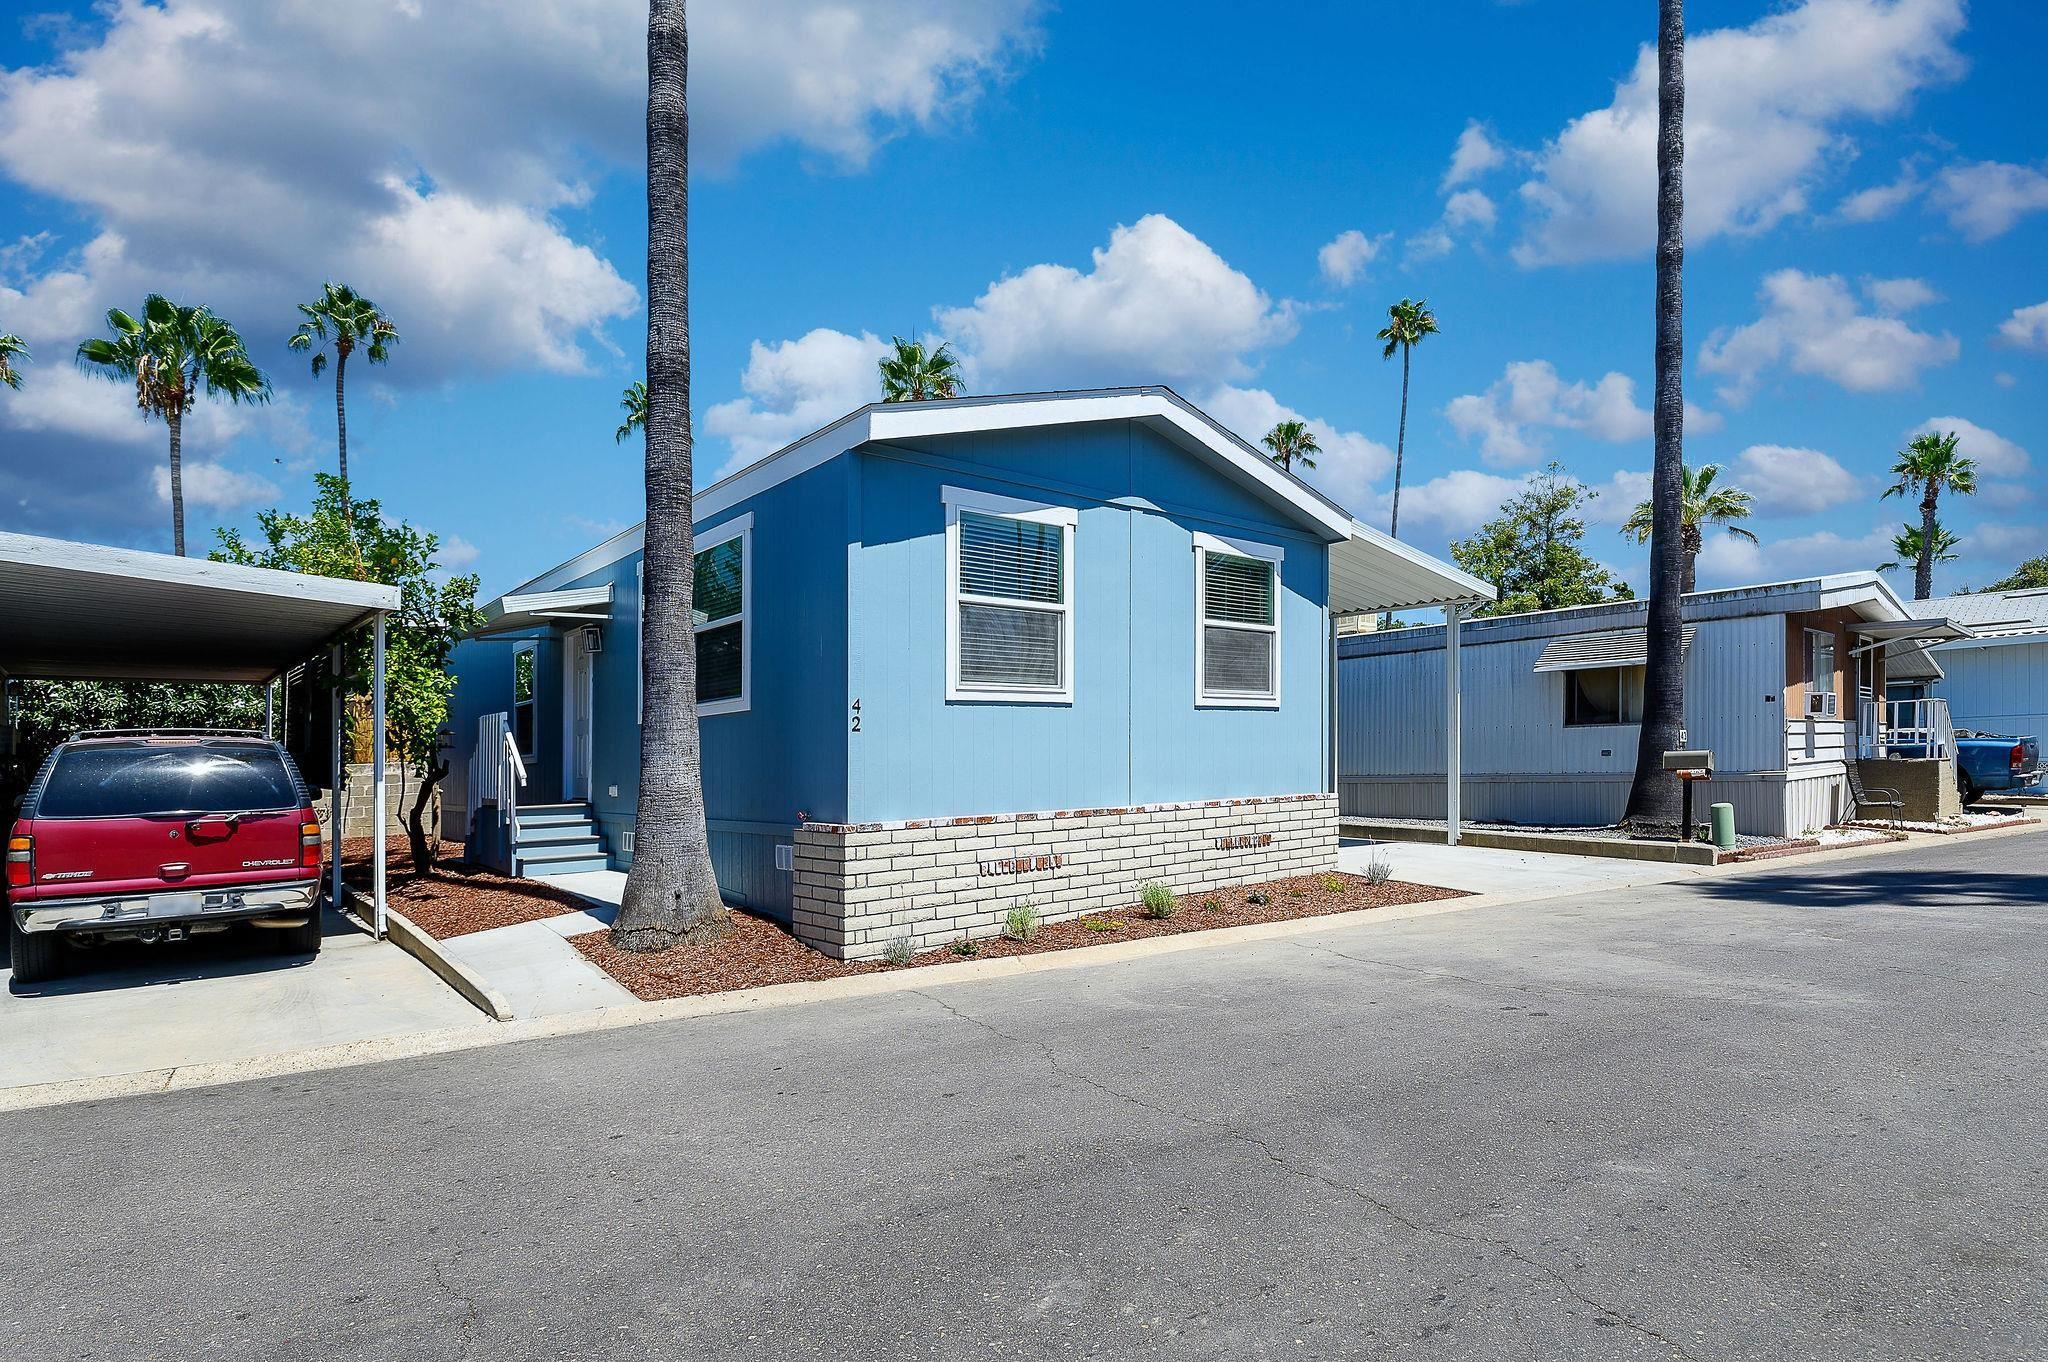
x,y
1068,518
740,527
530,753
1272,556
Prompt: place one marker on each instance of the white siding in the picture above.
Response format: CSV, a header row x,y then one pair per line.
x,y
1997,688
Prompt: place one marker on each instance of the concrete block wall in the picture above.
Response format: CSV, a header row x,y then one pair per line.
x,y
1927,785
860,886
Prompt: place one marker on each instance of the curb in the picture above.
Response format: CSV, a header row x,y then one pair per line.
x,y
355,1053
403,933
1493,839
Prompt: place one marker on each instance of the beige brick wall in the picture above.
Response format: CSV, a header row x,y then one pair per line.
x,y
861,886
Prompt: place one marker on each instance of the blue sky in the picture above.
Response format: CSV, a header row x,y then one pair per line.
x,y
1086,195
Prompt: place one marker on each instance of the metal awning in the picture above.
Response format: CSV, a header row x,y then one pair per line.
x,y
86,611
1919,631
1607,648
1373,571
539,609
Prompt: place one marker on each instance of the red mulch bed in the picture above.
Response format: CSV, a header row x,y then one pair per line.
x,y
758,952
457,898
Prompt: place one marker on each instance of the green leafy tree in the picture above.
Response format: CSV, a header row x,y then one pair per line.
x,y
2031,575
342,537
1653,796
1531,552
1930,466
172,354
1291,443
913,373
1908,547
13,350
347,321
633,401
1700,504
671,894
1408,325
42,714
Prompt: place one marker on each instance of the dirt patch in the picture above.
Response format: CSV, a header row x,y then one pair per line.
x,y
456,898
758,952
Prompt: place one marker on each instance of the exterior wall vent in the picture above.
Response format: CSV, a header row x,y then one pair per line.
x,y
626,844
785,856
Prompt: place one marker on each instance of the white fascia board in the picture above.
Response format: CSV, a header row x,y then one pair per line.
x,y
169,569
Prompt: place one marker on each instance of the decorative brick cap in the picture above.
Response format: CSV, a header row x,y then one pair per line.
x,y
985,819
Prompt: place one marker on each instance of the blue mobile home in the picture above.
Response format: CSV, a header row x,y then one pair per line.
x,y
1997,681
952,655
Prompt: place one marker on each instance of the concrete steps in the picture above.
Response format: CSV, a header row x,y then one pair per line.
x,y
556,839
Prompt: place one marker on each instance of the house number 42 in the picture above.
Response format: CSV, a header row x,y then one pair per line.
x,y
856,716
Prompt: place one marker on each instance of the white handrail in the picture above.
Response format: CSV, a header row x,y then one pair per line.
x,y
512,751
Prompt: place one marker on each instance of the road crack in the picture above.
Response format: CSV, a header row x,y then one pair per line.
x,y
1605,1312
470,1318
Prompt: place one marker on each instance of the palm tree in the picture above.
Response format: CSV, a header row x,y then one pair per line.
x,y
1653,796
12,351
1909,542
1929,466
911,373
634,402
172,355
1407,324
1292,443
350,320
671,894
1700,504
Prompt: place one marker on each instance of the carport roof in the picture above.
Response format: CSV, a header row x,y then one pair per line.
x,y
70,610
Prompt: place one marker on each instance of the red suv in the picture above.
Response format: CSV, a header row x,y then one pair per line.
x,y
156,836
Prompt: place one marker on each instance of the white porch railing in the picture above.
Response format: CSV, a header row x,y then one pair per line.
x,y
1919,728
495,771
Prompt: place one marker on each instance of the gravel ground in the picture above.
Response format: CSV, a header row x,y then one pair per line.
x,y
1605,834
457,898
758,952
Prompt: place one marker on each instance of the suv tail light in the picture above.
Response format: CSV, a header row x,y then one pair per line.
x,y
2019,758
309,840
21,862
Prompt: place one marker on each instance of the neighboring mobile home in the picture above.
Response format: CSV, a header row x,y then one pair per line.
x,y
1996,682
953,656
1781,684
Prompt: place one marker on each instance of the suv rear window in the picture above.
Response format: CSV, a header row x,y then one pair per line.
x,y
131,782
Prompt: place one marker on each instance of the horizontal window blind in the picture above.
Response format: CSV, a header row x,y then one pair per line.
x,y
1237,661
1237,590
1001,646
1019,560
1240,634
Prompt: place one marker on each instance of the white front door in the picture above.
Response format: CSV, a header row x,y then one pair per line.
x,y
577,705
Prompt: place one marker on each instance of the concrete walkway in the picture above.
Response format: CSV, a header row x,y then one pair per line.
x,y
216,1000
1480,870
532,963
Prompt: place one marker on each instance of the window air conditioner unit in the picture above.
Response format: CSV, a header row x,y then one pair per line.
x,y
1821,704
593,639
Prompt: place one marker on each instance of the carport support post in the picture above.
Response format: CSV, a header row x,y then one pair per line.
x,y
1454,721
334,801
377,765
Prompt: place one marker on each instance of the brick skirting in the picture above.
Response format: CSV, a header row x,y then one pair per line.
x,y
860,886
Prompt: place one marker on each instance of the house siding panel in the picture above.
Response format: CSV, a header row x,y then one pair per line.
x,y
1997,687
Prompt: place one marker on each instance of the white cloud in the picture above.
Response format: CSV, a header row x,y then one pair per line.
x,y
2004,379
1898,295
1157,304
1470,208
1985,199
795,387
1343,259
1455,503
457,553
1728,561
1346,469
1881,200
1766,108
1475,154
1813,324
214,487
1995,456
1617,498
1511,417
2027,327
1788,480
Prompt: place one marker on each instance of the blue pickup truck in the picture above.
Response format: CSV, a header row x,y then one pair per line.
x,y
1989,762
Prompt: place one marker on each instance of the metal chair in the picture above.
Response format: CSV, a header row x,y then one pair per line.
x,y
1876,797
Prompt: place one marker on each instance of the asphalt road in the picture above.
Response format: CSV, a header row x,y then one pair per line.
x,y
1790,1116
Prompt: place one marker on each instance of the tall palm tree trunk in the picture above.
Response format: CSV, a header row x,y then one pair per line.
x,y
341,435
1400,447
175,419
1693,541
671,893
1653,798
1923,571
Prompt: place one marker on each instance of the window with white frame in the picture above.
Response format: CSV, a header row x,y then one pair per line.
x,y
1237,623
523,659
1009,599
1820,674
721,593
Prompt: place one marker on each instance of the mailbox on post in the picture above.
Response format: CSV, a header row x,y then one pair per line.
x,y
1689,766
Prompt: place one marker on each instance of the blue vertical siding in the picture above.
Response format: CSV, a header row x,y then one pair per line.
x,y
1997,687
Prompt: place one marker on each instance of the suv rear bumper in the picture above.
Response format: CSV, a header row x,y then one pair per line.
x,y
119,911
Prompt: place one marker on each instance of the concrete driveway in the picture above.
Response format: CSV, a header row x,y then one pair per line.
x,y
216,999
1485,870
1793,1114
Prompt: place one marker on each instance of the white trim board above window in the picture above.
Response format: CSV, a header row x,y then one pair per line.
x,y
1237,623
1009,598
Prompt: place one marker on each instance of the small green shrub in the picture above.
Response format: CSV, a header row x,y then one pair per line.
x,y
1258,898
1021,922
1099,924
1157,900
1333,883
1379,869
900,950
1211,905
967,947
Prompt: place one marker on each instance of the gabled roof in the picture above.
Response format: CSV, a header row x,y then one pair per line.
x,y
1996,614
1370,571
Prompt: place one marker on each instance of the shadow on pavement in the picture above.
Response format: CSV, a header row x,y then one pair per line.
x,y
1885,889
106,969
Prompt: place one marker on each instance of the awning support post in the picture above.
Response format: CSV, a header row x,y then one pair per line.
x,y
334,781
270,708
377,767
1454,721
